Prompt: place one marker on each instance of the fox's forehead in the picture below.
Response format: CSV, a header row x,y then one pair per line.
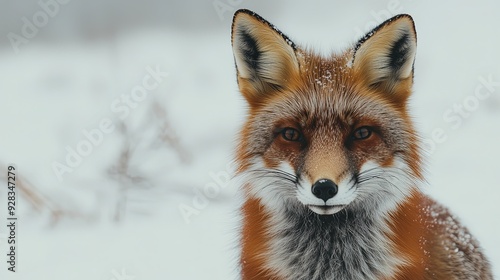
x,y
328,92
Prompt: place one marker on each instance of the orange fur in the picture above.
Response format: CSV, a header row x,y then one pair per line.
x,y
408,225
254,245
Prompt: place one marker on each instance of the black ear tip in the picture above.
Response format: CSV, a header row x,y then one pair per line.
x,y
385,23
244,11
262,20
252,14
395,18
404,16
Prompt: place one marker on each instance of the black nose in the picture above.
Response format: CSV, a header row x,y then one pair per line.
x,y
325,189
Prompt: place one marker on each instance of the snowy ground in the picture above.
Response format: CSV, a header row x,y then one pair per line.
x,y
52,92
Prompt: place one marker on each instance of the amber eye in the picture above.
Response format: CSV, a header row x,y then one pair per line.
x,y
290,134
362,133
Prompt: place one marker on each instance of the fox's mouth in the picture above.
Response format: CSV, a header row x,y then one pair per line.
x,y
326,209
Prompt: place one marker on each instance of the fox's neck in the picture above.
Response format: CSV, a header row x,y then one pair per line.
x,y
298,244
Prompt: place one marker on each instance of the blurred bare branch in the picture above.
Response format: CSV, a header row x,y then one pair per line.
x,y
123,171
167,134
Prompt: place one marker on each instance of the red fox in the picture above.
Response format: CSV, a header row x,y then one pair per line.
x,y
330,163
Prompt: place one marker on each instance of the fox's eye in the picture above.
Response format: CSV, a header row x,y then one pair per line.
x,y
362,133
290,134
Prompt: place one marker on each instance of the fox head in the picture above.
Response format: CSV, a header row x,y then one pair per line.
x,y
324,134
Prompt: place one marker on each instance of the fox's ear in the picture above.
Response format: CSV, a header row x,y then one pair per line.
x,y
384,57
265,58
